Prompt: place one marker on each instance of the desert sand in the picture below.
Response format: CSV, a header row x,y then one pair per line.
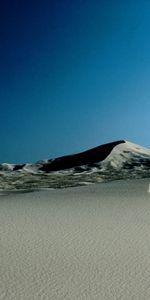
x,y
90,242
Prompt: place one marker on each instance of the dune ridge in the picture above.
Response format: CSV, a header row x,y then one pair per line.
x,y
111,161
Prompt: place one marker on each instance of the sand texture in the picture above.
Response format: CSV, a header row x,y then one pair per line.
x,y
83,243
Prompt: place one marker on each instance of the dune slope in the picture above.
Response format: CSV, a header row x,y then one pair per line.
x,y
78,243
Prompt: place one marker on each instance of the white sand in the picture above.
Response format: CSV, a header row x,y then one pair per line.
x,y
80,243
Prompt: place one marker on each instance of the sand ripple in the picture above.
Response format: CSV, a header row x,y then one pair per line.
x,y
88,243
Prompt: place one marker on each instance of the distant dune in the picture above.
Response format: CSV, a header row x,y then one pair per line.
x,y
88,157
111,161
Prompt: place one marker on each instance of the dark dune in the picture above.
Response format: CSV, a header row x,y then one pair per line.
x,y
91,156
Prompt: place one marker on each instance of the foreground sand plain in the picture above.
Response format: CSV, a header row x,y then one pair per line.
x,y
89,242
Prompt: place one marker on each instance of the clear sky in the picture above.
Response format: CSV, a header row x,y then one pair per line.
x,y
74,74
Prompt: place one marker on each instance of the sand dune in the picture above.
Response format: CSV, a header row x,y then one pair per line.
x,y
88,242
112,161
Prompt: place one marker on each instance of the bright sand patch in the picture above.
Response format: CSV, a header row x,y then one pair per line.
x,y
90,243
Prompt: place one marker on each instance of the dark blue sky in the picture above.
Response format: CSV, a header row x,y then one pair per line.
x,y
73,75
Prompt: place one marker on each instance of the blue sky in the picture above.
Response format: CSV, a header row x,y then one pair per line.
x,y
73,75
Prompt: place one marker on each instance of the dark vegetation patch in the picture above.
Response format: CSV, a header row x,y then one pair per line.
x,y
18,167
